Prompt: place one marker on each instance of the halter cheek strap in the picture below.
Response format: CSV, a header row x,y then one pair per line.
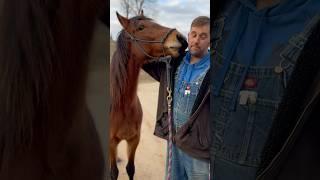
x,y
161,41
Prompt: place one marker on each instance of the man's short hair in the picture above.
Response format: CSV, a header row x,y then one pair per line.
x,y
200,21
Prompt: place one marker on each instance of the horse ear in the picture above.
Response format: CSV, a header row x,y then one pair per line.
x,y
123,21
141,12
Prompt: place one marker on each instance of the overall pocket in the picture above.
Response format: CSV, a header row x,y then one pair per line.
x,y
240,135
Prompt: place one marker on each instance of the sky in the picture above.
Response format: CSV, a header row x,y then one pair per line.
x,y
171,13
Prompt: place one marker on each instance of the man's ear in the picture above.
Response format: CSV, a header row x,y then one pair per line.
x,y
123,21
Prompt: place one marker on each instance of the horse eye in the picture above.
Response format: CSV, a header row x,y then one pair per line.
x,y
141,27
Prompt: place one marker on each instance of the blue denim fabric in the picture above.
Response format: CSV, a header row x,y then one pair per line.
x,y
183,165
255,37
239,135
239,132
182,103
189,72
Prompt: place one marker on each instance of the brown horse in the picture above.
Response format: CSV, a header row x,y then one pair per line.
x,y
46,131
140,40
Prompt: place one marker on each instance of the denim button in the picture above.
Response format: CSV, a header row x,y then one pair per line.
x,y
278,69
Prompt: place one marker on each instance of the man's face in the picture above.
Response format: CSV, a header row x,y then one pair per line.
x,y
199,40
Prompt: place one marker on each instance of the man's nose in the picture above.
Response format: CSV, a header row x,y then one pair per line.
x,y
197,39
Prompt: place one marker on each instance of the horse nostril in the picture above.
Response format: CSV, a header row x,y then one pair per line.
x,y
180,37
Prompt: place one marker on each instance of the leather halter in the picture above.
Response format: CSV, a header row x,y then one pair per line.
x,y
138,41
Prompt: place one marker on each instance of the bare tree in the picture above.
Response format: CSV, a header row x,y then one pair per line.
x,y
135,7
126,7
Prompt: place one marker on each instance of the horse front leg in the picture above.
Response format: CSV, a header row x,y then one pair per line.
x,y
132,147
114,171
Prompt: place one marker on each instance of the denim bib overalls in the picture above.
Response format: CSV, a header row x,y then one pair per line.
x,y
184,95
245,104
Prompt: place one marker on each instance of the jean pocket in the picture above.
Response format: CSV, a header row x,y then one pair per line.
x,y
258,126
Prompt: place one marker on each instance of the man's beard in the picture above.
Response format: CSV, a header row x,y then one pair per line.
x,y
196,53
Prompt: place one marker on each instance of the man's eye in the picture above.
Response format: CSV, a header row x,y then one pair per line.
x,y
203,36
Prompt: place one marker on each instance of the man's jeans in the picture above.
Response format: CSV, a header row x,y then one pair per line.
x,y
185,167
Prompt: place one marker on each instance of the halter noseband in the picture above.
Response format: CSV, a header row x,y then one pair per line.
x,y
161,41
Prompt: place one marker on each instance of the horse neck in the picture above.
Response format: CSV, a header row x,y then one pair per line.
x,y
124,86
133,76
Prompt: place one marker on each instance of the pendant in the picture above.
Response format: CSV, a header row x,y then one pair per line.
x,y
187,91
250,83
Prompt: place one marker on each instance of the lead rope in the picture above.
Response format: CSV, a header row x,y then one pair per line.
x,y
209,171
169,100
167,60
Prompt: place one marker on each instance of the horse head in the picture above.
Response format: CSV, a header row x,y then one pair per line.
x,y
150,40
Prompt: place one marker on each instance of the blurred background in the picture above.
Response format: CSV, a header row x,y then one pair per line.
x,y
98,82
171,13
